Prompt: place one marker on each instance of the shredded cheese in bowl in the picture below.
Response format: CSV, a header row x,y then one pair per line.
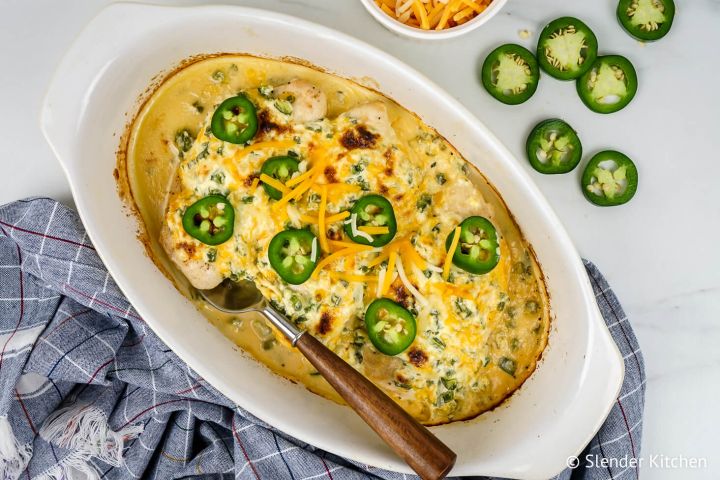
x,y
433,14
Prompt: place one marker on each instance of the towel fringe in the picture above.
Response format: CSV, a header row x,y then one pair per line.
x,y
74,465
85,430
14,457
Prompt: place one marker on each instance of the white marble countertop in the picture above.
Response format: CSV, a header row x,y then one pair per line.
x,y
661,252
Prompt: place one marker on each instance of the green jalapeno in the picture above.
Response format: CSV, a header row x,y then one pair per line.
x,y
390,326
235,120
609,179
372,211
478,250
510,74
609,85
646,20
281,169
293,255
210,220
567,48
553,147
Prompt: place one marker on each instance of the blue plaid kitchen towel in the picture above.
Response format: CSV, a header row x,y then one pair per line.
x,y
88,391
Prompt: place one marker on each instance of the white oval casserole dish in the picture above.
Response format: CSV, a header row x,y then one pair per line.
x,y
93,95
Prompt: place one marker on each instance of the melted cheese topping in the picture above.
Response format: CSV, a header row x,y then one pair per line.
x,y
478,336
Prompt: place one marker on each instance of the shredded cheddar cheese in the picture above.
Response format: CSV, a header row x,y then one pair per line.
x,y
474,5
254,185
448,290
328,219
320,160
300,178
411,254
348,277
408,285
334,256
451,253
389,248
276,184
342,244
462,14
433,14
321,219
338,187
262,146
389,273
374,230
421,14
297,192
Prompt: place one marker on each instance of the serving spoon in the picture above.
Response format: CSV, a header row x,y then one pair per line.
x,y
423,451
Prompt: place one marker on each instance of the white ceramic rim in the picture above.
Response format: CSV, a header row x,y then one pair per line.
x,y
409,31
68,110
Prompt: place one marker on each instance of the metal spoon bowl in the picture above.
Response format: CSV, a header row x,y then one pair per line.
x,y
242,297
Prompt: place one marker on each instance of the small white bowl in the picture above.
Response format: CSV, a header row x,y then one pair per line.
x,y
414,32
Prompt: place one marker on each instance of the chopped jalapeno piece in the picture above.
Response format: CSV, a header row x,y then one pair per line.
x,y
390,326
235,120
609,179
284,106
184,140
293,256
478,250
646,19
510,74
507,365
371,211
567,48
210,220
553,147
609,85
281,169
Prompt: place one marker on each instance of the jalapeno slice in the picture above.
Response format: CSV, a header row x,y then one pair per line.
x,y
609,85
553,147
235,120
510,74
646,19
566,48
293,256
372,211
609,179
210,220
281,169
390,326
478,250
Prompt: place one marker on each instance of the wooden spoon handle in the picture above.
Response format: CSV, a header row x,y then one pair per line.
x,y
422,450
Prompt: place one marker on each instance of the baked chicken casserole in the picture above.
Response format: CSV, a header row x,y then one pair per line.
x,y
357,220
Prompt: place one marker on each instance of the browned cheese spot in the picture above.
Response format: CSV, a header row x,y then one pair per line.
x,y
188,248
358,137
401,295
330,174
325,323
334,234
417,357
249,179
266,125
389,164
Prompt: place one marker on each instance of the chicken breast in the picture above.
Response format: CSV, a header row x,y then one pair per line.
x,y
309,103
373,115
200,273
464,200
